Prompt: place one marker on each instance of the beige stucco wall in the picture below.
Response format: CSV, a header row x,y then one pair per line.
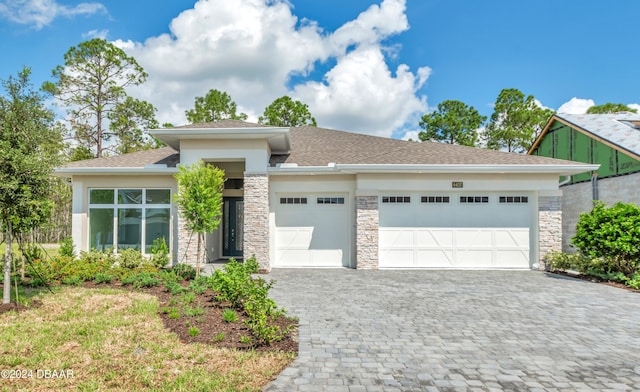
x,y
577,198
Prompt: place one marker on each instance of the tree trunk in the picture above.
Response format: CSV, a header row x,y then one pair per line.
x,y
6,294
200,235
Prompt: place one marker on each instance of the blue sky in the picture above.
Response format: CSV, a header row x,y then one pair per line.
x,y
361,65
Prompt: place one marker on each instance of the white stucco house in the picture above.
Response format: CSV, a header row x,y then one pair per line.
x,y
314,197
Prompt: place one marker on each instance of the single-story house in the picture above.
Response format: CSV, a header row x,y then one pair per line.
x,y
314,197
610,140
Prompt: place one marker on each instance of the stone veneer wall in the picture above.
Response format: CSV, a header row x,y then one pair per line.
x,y
187,244
256,219
367,225
549,226
578,198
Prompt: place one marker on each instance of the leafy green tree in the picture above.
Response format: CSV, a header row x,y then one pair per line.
x,y
199,200
92,84
285,112
516,121
129,121
28,152
215,106
454,123
610,108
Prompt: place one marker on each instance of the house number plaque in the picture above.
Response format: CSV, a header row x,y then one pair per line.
x,y
456,184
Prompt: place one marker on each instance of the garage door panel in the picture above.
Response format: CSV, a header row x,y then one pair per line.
x,y
517,237
293,257
474,238
294,237
397,237
474,258
326,257
434,237
511,258
454,248
313,234
433,258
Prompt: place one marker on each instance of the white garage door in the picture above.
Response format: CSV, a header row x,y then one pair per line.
x,y
312,230
481,230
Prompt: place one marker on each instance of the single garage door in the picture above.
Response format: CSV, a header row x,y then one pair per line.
x,y
456,230
312,230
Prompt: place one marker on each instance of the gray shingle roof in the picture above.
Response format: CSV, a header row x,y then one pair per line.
x,y
311,146
164,155
617,128
224,124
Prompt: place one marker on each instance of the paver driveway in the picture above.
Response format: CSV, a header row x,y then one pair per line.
x,y
458,330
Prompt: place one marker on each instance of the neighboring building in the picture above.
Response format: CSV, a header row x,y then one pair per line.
x,y
610,140
313,197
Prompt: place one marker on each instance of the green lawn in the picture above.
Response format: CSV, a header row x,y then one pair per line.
x,y
111,339
50,250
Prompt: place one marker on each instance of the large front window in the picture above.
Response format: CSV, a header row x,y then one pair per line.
x,y
128,218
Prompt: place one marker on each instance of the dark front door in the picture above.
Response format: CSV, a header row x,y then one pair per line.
x,y
232,226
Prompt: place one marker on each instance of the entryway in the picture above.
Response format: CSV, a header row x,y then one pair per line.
x,y
232,226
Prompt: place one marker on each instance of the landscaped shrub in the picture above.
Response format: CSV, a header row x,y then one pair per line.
x,y
611,234
159,253
199,285
59,268
235,285
130,258
174,287
103,278
142,279
66,247
186,271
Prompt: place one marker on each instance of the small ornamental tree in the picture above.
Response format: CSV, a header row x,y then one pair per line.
x,y
29,146
611,233
199,200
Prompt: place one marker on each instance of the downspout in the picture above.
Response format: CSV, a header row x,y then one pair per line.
x,y
565,182
594,186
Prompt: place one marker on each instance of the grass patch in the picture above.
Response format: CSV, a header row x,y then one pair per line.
x,y
115,340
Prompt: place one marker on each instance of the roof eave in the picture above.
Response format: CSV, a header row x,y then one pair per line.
x,y
277,137
562,170
104,171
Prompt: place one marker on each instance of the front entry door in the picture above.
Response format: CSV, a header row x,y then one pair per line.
x,y
232,226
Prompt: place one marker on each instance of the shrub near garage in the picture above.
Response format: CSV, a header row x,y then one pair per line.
x,y
611,234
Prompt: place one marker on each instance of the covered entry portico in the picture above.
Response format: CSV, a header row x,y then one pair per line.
x,y
244,154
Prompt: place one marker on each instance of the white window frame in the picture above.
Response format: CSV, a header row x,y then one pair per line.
x,y
143,206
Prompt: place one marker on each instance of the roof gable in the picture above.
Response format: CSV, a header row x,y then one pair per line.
x,y
620,131
611,140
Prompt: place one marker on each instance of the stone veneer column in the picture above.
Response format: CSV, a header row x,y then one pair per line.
x,y
256,219
549,226
367,224
187,244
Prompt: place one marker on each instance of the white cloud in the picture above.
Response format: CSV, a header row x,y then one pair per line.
x,y
635,106
252,48
361,94
96,34
40,13
576,106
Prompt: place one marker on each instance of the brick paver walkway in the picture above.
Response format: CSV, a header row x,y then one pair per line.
x,y
458,331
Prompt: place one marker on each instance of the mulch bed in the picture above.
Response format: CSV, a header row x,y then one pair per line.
x,y
210,324
595,279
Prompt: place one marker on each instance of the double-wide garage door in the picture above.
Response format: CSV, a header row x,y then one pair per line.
x,y
417,230
483,230
312,230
